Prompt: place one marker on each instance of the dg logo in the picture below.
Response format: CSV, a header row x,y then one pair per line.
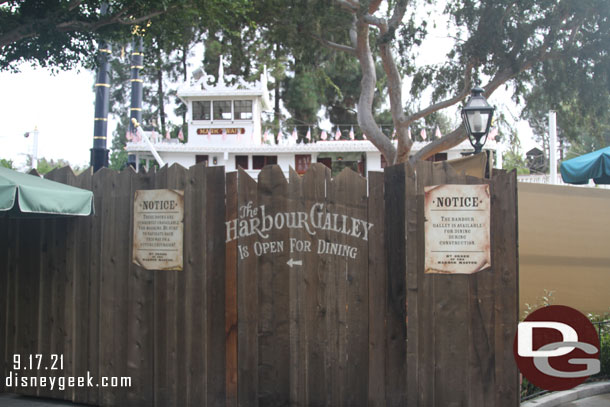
x,y
557,348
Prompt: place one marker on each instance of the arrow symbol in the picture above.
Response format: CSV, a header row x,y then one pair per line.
x,y
294,263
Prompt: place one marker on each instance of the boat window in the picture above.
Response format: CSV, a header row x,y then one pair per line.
x,y
241,161
201,110
242,109
259,161
222,110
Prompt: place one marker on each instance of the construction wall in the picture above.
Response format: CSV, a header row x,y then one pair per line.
x,y
564,246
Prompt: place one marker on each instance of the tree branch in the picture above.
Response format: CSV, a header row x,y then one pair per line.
x,y
395,92
74,4
450,140
29,30
381,23
449,102
348,5
144,18
374,6
400,8
366,121
334,45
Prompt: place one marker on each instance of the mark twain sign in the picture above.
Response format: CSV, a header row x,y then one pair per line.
x,y
256,221
157,229
457,229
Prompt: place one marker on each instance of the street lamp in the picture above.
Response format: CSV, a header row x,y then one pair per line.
x,y
477,115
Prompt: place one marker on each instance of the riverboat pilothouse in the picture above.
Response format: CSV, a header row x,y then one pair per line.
x,y
225,128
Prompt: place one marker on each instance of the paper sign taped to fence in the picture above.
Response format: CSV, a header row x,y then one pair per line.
x,y
457,224
158,219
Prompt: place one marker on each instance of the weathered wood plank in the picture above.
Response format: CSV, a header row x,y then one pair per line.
x,y
114,284
26,305
481,320
378,284
505,264
5,248
215,286
450,321
413,276
231,294
192,384
99,182
11,297
166,310
315,310
81,265
45,278
298,367
354,200
139,309
425,301
273,287
396,326
247,300
335,301
61,292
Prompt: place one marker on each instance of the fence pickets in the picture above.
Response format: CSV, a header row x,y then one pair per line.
x,y
294,327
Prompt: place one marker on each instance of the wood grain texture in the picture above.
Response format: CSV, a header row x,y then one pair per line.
x,y
232,329
378,288
248,303
215,340
463,323
396,312
231,295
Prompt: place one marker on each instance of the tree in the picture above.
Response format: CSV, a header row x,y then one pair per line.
x,y
61,33
45,166
583,122
6,163
497,43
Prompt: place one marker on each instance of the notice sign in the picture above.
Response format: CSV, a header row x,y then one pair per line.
x,y
157,229
457,229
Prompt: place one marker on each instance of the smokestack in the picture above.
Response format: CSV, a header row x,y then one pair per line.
x,y
99,152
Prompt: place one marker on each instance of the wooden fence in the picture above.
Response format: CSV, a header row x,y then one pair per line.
x,y
294,292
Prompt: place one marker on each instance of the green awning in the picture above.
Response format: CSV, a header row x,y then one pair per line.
x,y
595,166
30,194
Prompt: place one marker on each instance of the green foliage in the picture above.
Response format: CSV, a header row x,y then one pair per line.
x,y
513,160
62,34
602,325
45,166
6,163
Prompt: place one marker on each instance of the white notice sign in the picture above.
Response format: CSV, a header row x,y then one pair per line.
x,y
457,227
158,219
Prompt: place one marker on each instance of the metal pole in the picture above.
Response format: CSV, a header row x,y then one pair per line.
x,y
553,146
35,149
99,152
135,112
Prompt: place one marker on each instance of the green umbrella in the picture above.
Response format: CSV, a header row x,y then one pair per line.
x,y
24,194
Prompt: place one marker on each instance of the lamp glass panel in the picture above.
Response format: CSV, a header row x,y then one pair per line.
x,y
477,121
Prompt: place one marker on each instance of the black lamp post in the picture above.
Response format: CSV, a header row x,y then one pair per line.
x,y
477,115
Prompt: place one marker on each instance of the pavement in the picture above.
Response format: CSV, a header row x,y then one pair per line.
x,y
585,395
